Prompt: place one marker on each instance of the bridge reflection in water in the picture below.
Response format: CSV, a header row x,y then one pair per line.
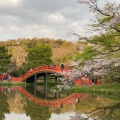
x,y
37,105
52,99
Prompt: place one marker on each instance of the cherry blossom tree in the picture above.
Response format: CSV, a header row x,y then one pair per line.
x,y
107,18
104,46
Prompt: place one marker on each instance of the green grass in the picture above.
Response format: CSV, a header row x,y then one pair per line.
x,y
7,83
13,84
109,90
113,89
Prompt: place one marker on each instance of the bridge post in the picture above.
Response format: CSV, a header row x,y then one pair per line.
x,y
35,80
46,84
58,95
56,80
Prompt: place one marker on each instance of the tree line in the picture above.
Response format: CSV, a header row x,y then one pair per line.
x,y
24,54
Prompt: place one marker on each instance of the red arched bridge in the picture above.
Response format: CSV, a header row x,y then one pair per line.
x,y
71,74
73,98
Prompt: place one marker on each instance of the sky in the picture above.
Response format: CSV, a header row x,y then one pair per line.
x,y
43,19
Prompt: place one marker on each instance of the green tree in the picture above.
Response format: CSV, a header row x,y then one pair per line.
x,y
4,59
106,45
103,55
102,46
39,55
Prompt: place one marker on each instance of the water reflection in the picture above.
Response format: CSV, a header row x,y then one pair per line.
x,y
42,93
13,116
107,112
4,107
100,113
79,116
30,103
50,100
37,112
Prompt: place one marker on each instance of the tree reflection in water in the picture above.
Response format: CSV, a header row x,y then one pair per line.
x,y
4,107
37,112
106,113
100,113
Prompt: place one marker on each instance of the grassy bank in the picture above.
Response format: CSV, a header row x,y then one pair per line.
x,y
6,83
108,89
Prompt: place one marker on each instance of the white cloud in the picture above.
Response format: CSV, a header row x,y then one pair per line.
x,y
42,18
1,29
35,30
15,2
10,2
56,17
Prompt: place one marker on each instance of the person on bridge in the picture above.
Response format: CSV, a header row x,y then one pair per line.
x,y
62,66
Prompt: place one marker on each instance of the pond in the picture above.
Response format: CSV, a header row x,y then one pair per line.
x,y
36,103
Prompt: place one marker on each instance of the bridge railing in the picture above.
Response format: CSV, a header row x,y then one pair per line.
x,y
68,72
43,68
15,79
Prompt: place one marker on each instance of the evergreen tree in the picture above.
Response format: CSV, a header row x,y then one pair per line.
x,y
4,59
39,55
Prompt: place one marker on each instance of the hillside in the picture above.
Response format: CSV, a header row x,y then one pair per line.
x,y
63,51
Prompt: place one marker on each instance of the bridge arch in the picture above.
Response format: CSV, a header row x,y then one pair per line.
x,y
34,74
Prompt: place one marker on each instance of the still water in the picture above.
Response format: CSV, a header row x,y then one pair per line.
x,y
35,103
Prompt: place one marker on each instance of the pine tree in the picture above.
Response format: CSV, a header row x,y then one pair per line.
x,y
39,55
4,59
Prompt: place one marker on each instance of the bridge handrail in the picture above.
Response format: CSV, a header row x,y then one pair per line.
x,y
67,72
42,68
